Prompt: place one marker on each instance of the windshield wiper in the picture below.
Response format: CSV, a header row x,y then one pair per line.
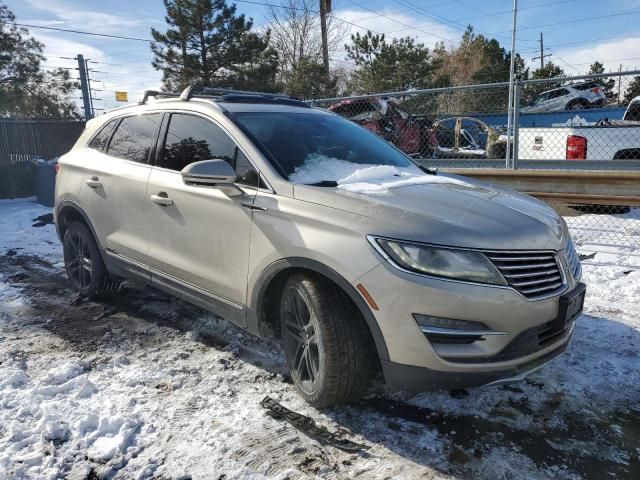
x,y
324,183
428,170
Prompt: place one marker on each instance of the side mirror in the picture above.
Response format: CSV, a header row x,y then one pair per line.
x,y
215,173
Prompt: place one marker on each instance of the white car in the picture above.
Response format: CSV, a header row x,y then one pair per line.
x,y
606,140
570,97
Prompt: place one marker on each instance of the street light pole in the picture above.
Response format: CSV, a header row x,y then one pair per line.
x,y
510,107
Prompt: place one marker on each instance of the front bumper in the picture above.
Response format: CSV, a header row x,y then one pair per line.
x,y
421,379
415,363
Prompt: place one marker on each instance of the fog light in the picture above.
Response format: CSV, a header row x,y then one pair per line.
x,y
450,330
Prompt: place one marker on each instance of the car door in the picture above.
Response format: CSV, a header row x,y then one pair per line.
x,y
199,236
114,187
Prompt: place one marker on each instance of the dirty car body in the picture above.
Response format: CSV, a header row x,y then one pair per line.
x,y
295,223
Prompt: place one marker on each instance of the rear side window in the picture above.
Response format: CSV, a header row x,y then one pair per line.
x,y
191,139
134,137
100,140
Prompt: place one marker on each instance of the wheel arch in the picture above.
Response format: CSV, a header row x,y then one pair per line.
x,y
67,212
262,302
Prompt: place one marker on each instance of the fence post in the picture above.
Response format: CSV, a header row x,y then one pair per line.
x,y
516,125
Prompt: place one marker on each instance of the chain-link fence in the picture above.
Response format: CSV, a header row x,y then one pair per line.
x,y
583,123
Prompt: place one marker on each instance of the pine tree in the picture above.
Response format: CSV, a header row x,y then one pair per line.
x,y
608,84
26,90
633,90
382,66
208,43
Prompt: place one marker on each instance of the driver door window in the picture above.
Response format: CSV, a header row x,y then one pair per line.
x,y
191,139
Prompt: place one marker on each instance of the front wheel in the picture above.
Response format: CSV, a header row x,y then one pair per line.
x,y
325,340
84,264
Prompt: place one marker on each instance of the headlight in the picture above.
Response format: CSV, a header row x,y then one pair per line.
x,y
441,262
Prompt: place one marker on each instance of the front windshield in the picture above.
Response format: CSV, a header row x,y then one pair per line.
x,y
303,143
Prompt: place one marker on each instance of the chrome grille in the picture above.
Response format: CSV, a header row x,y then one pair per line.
x,y
533,274
573,261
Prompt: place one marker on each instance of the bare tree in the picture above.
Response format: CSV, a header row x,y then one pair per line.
x,y
296,35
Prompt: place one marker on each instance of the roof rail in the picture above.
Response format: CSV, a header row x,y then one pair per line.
x,y
239,96
155,93
225,95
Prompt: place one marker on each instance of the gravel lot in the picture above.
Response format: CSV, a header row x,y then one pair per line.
x,y
145,386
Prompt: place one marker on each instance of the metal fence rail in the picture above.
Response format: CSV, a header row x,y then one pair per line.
x,y
22,141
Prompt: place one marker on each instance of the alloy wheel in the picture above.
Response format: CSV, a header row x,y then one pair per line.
x,y
78,261
300,339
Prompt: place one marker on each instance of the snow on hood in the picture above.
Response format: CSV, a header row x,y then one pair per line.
x,y
362,178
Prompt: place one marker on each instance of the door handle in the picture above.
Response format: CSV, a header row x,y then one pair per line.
x,y
93,182
161,199
248,206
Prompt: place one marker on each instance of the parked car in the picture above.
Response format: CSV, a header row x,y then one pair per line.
x,y
607,140
295,223
385,118
569,97
466,137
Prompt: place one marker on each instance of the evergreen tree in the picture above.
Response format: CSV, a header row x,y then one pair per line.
x,y
26,90
550,70
208,44
382,66
608,84
633,90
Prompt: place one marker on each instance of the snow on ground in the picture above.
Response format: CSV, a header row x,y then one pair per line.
x,y
363,178
144,386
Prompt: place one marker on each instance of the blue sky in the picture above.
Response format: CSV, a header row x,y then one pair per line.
x,y
572,33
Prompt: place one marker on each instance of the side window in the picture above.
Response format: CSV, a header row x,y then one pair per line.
x,y
247,175
191,139
99,141
134,137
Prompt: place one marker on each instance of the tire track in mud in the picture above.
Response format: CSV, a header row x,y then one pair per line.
x,y
281,448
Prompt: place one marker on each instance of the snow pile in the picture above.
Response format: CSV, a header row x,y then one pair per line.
x,y
363,178
16,220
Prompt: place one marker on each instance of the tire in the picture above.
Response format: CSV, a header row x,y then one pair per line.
x,y
325,339
82,260
577,106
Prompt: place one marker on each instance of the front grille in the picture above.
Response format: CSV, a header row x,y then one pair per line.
x,y
533,274
573,261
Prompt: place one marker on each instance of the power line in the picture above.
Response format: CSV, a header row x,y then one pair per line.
x,y
577,20
595,40
492,14
399,22
80,32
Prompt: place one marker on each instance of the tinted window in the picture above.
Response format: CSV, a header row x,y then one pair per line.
x,y
191,139
100,140
247,175
558,93
293,139
134,137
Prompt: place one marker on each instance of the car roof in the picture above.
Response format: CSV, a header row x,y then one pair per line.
x,y
568,86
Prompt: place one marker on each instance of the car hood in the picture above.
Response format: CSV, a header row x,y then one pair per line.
x,y
467,213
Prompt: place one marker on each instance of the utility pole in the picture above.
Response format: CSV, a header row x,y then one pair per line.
x,y
325,8
542,54
510,109
86,69
84,86
619,83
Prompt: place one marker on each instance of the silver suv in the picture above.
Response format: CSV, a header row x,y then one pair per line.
x,y
293,222
570,97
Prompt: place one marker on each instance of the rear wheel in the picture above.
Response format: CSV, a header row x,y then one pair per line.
x,y
83,262
579,105
325,340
